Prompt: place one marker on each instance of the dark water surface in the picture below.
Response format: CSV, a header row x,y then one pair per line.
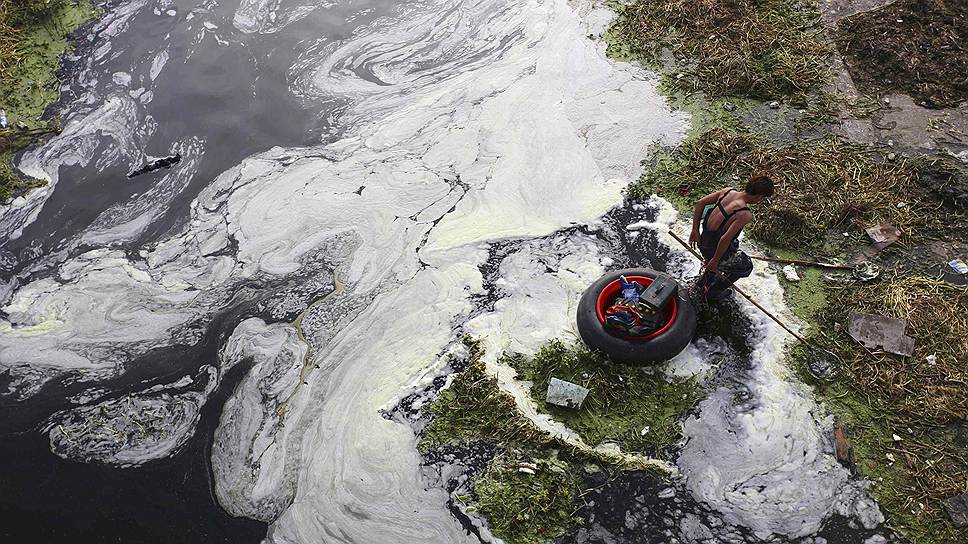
x,y
236,100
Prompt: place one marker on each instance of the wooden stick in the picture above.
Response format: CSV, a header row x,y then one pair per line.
x,y
801,262
740,291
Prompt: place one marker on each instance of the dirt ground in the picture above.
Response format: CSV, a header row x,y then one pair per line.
x,y
895,120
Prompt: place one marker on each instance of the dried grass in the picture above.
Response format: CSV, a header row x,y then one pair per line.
x,y
823,186
924,404
767,49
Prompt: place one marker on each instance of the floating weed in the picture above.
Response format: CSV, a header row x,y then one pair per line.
x,y
622,401
33,36
529,499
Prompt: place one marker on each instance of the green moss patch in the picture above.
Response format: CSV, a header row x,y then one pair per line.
x,y
916,47
531,490
622,400
474,408
529,500
766,49
34,37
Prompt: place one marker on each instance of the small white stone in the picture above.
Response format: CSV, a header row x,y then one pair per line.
x,y
790,273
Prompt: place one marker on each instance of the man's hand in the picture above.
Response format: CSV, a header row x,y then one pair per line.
x,y
711,265
694,238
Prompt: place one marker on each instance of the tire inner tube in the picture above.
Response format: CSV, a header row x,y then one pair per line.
x,y
665,343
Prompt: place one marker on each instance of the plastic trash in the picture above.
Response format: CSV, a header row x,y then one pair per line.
x,y
630,290
790,273
3,118
566,394
958,266
874,330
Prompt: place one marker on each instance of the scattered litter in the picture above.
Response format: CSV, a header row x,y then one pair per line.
x,y
846,234
729,106
774,105
645,430
171,13
790,273
891,156
842,447
957,508
567,394
164,162
890,457
896,438
958,266
3,118
901,205
875,330
666,493
527,468
931,359
866,271
883,234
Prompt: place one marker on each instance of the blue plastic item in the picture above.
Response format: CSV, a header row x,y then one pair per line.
x,y
630,290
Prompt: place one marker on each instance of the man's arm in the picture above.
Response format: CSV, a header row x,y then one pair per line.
x,y
732,232
697,213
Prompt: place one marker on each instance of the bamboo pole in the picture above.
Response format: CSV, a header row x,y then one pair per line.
x,y
747,297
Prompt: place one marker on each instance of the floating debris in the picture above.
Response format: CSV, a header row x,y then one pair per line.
x,y
875,330
164,162
567,394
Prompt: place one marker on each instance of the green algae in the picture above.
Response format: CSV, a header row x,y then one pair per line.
x,y
474,408
539,503
30,85
637,409
526,508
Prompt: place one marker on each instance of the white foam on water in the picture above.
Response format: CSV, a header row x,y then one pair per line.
x,y
766,462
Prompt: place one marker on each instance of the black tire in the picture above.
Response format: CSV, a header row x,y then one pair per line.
x,y
635,352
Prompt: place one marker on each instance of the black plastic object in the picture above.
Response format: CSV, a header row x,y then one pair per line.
x,y
630,351
658,294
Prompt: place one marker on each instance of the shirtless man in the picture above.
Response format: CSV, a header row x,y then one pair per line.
x,y
723,215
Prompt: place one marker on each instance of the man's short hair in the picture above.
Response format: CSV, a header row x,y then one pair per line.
x,y
760,184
